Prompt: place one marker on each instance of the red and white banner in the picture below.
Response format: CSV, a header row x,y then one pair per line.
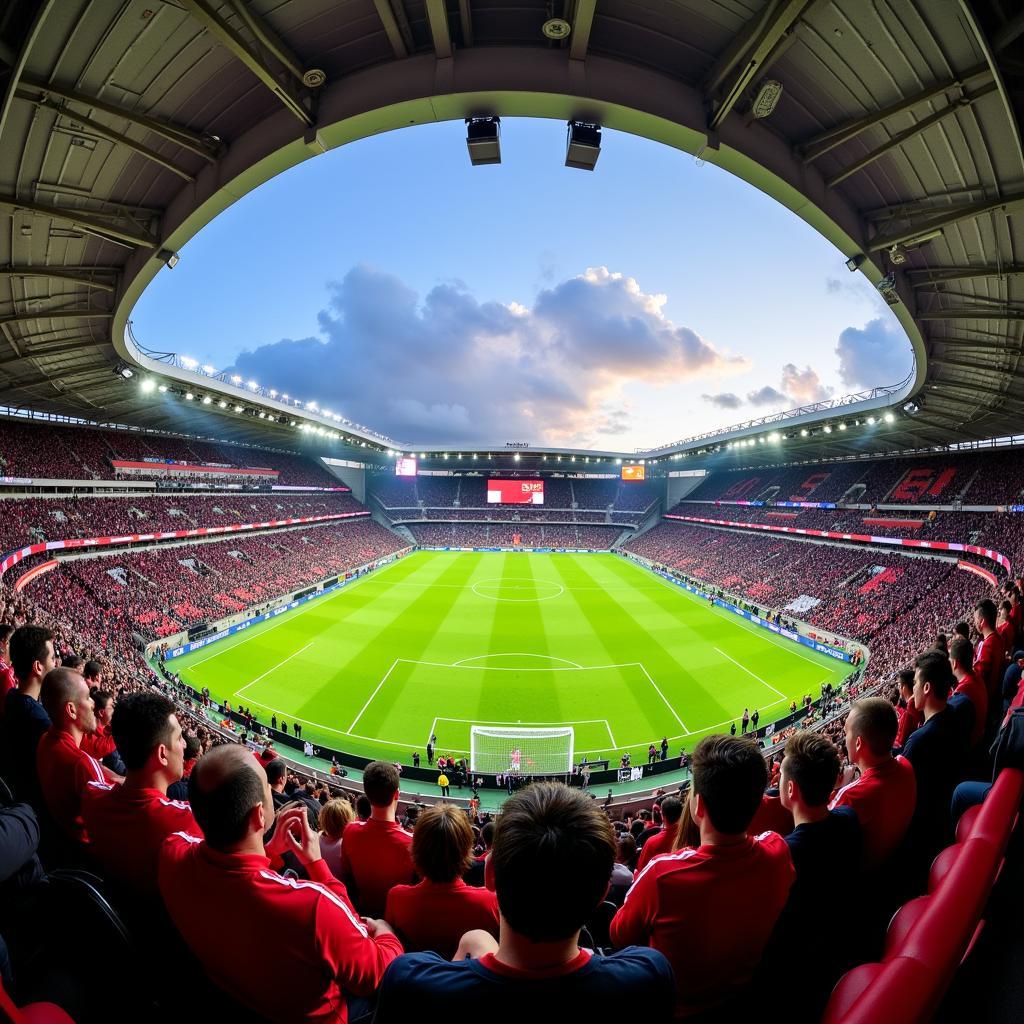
x,y
862,538
978,571
14,557
185,468
515,492
23,581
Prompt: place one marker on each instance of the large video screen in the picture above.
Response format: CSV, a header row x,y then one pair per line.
x,y
633,472
515,492
405,467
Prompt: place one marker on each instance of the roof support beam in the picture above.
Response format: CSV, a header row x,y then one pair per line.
x,y
437,18
963,364
899,138
945,219
582,23
80,275
57,314
826,141
277,79
104,132
271,41
974,313
80,345
205,146
748,56
391,29
466,21
122,232
933,276
974,346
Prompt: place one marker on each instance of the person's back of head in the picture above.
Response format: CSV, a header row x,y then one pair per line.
x,y
225,790
671,810
985,612
442,843
871,728
552,858
380,783
363,807
277,771
334,816
905,682
144,725
6,631
31,652
729,778
961,654
72,661
625,850
66,699
811,765
487,835
934,677
93,672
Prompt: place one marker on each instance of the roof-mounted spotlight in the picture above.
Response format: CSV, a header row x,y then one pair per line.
x,y
124,370
897,255
583,145
887,289
911,408
767,98
855,262
483,140
169,257
148,385
556,28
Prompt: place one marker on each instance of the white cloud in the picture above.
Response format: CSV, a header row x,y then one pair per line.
x,y
724,400
453,369
804,386
874,355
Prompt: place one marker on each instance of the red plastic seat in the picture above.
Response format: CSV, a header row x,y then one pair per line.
x,y
942,864
902,922
966,822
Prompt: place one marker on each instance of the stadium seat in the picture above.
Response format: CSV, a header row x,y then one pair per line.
x,y
33,1013
941,865
966,822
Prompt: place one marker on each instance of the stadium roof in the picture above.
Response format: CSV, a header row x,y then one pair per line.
x,y
124,128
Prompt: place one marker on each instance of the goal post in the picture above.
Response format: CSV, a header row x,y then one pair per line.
x,y
495,751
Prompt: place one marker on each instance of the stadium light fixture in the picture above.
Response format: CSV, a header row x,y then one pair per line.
x,y
828,428
842,426
273,393
767,98
483,140
189,396
238,408
803,433
148,385
911,409
208,370
253,385
222,404
162,389
207,400
235,379
889,418
169,257
583,145
871,421
515,458
855,262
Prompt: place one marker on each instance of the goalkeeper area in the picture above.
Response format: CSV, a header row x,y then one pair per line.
x,y
439,642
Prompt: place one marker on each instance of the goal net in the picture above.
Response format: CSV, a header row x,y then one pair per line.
x,y
496,751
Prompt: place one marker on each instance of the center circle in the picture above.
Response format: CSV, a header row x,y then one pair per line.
x,y
517,588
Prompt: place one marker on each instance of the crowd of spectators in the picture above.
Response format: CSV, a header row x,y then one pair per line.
x,y
988,477
155,592
52,452
63,517
481,535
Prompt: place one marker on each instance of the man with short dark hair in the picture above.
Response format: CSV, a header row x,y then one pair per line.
x,y
969,687
882,790
377,853
128,823
63,768
910,717
936,752
290,951
694,904
552,858
989,656
93,673
664,839
1005,628
825,845
24,719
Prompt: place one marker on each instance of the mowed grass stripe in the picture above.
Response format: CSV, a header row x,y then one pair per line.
x,y
423,608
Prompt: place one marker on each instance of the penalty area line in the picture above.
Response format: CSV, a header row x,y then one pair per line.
x,y
372,695
238,693
739,664
657,688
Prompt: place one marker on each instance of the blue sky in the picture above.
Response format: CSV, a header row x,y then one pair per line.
x,y
653,299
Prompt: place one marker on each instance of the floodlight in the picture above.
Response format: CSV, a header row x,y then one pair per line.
x,y
162,389
168,257
583,145
828,428
207,400
483,140
897,255
871,421
889,418
222,404
767,98
124,370
235,379
238,408
842,426
855,262
148,385
189,396
911,409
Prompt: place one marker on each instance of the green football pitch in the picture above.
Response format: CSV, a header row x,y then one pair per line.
x,y
439,641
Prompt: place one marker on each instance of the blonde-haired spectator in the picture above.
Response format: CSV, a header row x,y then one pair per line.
x,y
334,816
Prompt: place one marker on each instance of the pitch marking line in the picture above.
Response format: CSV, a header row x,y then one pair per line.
x,y
238,693
571,667
749,673
657,688
374,694
514,654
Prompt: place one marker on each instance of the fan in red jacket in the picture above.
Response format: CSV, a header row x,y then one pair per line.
x,y
8,680
693,905
663,841
127,824
989,657
289,950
